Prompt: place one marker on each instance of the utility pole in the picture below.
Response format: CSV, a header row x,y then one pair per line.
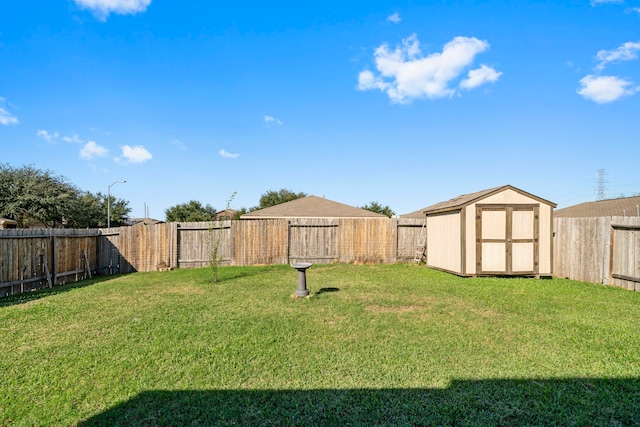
x,y
602,184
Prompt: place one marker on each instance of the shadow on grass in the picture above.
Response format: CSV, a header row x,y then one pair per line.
x,y
230,273
58,289
482,402
327,290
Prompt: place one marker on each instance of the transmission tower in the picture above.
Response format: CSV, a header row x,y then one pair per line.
x,y
602,184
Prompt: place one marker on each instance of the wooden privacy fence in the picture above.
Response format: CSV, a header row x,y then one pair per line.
x,y
25,255
36,258
600,250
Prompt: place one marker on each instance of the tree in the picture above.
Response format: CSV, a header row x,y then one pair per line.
x,y
91,211
33,196
192,211
272,198
378,208
239,213
28,195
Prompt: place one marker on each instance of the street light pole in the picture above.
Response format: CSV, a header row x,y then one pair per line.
x,y
122,181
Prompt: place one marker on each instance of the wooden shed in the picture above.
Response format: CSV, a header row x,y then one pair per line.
x,y
499,231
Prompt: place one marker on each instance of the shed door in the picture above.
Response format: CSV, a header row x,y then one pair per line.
x,y
507,239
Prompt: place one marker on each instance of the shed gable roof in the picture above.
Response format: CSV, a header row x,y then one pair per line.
x,y
463,200
626,206
311,207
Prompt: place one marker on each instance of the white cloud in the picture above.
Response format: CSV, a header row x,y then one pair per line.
x,y
55,136
634,9
179,144
137,154
597,2
46,135
92,150
74,139
480,76
367,81
604,89
272,120
102,8
395,18
6,118
625,52
405,74
224,153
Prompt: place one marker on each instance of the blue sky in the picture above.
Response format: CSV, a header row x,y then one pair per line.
x,y
407,103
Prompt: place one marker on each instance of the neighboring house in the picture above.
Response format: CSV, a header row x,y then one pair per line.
x,y
311,207
498,231
225,214
142,221
624,206
8,223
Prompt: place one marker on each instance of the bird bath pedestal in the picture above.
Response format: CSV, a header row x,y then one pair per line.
x,y
302,290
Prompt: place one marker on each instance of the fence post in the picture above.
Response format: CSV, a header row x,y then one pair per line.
x,y
175,242
53,260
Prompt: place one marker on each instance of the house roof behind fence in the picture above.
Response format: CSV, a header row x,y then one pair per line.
x,y
143,221
626,206
311,207
4,222
225,214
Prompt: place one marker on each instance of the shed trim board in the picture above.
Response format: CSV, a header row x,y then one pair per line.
x,y
463,241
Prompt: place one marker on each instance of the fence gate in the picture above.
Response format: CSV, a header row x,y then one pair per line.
x,y
625,256
313,240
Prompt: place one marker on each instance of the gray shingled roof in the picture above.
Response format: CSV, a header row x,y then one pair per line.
x,y
466,199
311,207
415,214
626,206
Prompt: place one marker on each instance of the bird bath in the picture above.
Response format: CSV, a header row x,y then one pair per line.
x,y
302,290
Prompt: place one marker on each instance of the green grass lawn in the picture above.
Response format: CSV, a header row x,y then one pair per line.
x,y
374,345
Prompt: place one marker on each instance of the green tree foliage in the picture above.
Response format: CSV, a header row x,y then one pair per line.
x,y
120,210
92,211
239,213
378,208
30,194
36,197
272,198
192,211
